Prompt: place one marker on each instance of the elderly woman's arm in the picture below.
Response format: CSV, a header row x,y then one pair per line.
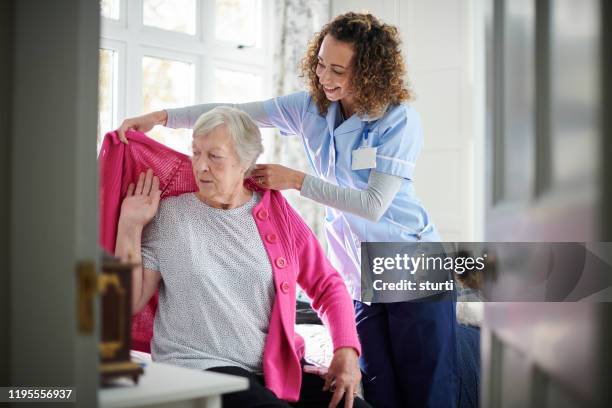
x,y
323,284
138,208
144,281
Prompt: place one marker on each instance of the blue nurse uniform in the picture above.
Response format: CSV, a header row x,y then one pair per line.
x,y
409,348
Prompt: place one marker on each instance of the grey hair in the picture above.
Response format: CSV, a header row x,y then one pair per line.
x,y
243,131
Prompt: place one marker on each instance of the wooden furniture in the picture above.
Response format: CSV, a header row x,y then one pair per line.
x,y
115,288
165,386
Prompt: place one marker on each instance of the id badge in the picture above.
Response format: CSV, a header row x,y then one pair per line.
x,y
364,158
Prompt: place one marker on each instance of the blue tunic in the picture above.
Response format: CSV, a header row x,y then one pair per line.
x,y
329,142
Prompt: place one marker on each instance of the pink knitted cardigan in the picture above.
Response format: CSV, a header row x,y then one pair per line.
x,y
294,252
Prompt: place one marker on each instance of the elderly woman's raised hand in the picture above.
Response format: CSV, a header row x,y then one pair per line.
x,y
343,377
141,202
142,123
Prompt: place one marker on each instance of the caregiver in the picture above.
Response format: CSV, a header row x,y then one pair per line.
x,y
362,141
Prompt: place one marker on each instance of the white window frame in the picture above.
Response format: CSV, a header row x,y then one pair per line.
x,y
118,80
236,67
164,53
133,40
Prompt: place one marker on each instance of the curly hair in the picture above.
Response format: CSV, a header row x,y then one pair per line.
x,y
378,65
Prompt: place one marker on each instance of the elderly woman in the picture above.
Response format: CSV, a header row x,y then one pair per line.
x,y
226,260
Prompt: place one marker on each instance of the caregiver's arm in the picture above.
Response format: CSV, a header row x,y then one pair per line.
x,y
370,203
138,208
186,117
284,112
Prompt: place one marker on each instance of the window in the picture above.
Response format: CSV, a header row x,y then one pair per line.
x,y
238,86
235,22
157,54
172,15
110,9
168,83
107,91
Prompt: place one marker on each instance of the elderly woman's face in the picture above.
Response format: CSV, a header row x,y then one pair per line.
x,y
216,165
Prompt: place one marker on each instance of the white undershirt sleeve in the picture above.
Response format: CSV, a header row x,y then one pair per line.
x,y
187,116
370,203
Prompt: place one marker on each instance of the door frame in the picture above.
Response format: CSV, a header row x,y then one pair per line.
x,y
53,192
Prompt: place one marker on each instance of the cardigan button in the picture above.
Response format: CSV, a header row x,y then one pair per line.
x,y
285,287
262,214
272,238
281,262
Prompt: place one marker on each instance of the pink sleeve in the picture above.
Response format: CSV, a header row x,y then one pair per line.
x,y
324,285
110,170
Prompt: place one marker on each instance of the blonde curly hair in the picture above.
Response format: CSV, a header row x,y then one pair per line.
x,y
378,65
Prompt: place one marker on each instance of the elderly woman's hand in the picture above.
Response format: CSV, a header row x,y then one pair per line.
x,y
142,123
277,177
141,202
343,377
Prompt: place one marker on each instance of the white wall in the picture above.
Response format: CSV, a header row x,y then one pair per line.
x,y
443,47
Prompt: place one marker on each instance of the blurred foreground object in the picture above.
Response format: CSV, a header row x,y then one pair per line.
x,y
115,288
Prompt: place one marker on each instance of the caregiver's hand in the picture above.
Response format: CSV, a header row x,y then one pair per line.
x,y
142,123
141,202
277,177
343,377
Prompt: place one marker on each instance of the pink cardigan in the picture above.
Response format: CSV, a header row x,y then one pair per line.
x,y
293,250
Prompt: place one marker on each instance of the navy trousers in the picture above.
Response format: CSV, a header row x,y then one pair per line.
x,y
409,354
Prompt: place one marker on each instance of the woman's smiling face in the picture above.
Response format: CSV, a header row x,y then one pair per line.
x,y
216,165
335,68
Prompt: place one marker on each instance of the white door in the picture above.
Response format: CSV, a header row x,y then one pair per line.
x,y
544,64
53,192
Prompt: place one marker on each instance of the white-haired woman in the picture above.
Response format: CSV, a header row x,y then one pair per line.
x,y
226,260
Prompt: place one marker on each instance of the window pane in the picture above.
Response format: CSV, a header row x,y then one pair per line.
x,y
236,86
110,9
173,15
107,94
239,87
168,83
238,21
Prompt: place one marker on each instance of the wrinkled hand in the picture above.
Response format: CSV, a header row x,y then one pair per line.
x,y
141,202
343,377
142,123
277,177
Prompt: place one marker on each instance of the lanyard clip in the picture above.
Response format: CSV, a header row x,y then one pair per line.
x,y
365,134
366,131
